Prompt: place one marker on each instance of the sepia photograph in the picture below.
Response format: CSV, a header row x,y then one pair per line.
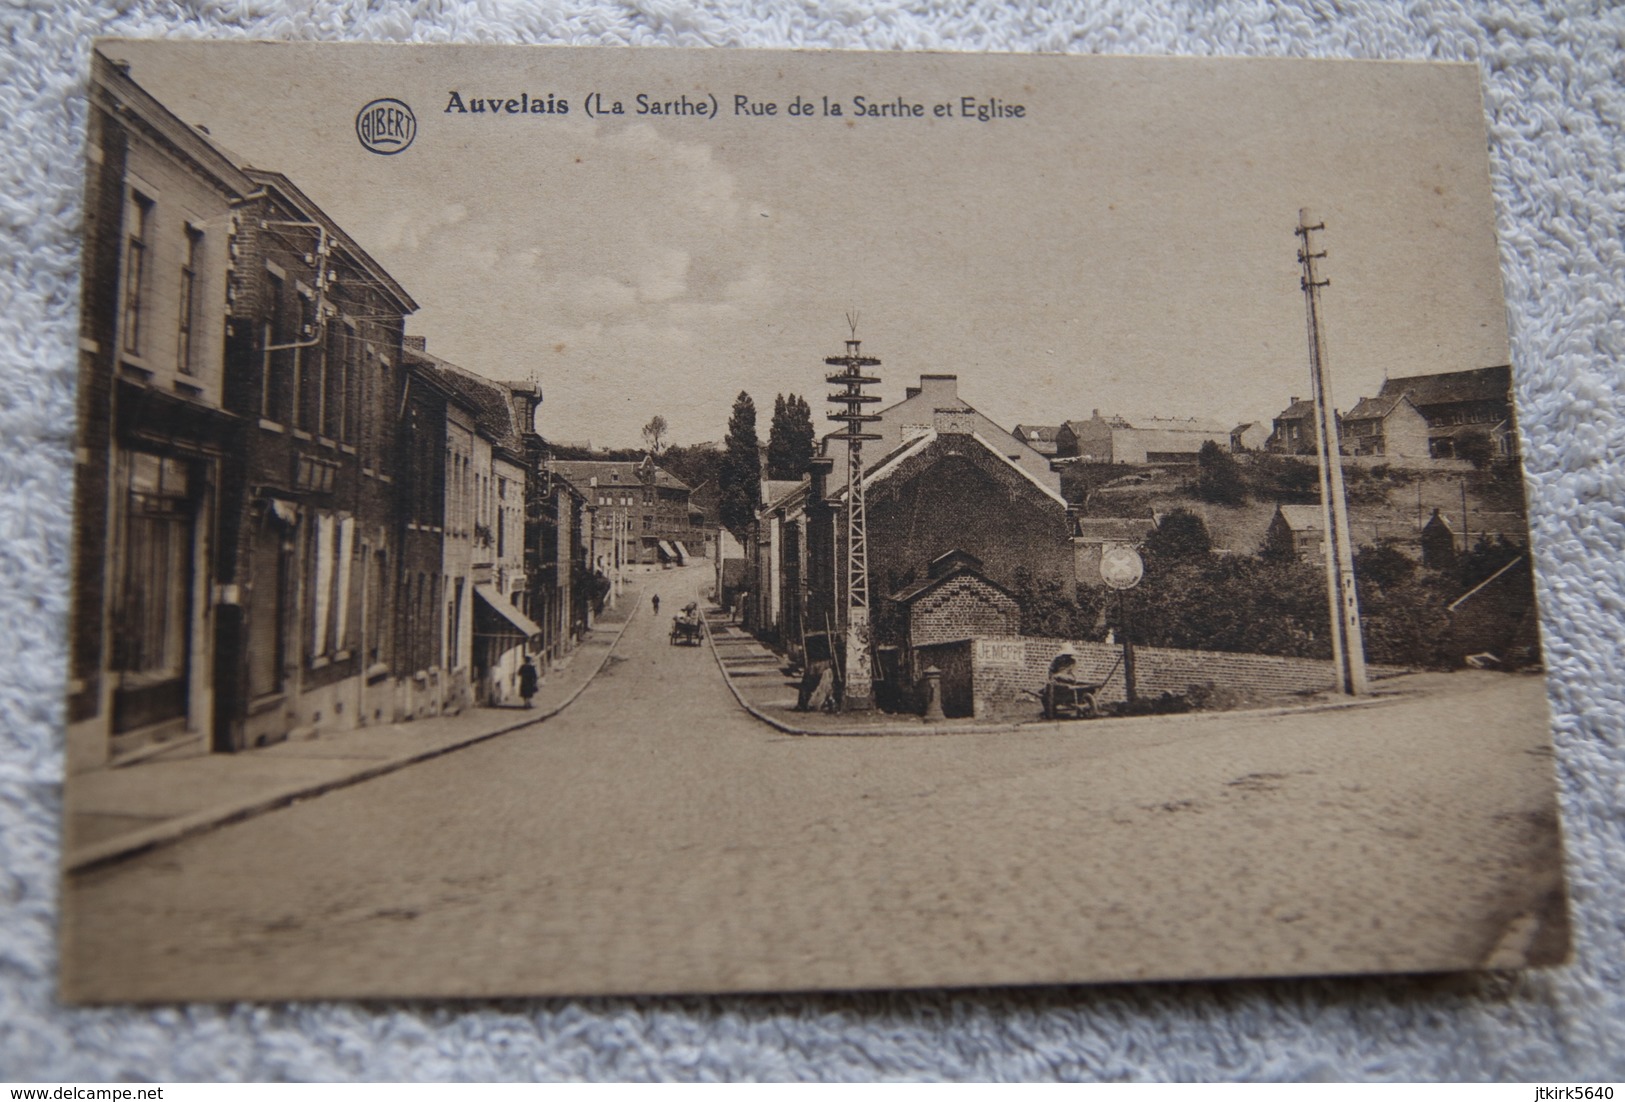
x,y
560,521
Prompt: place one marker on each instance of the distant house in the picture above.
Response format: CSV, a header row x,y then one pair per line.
x,y
1249,436
1438,543
1294,430
1392,427
1296,531
1115,439
1458,404
1040,438
647,505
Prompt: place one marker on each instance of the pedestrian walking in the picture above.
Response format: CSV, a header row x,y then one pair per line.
x,y
527,681
657,604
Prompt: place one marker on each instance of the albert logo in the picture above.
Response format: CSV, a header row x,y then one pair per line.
x,y
386,126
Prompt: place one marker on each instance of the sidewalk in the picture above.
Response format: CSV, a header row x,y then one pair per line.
x,y
118,811
756,675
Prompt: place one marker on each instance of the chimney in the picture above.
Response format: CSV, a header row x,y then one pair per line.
x,y
1294,400
421,344
940,388
1096,413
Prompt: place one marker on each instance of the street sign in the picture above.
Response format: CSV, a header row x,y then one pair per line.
x,y
1121,566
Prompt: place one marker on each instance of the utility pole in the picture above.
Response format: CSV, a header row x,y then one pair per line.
x,y
1348,648
859,674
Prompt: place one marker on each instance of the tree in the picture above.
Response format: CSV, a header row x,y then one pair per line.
x,y
740,474
1218,476
1181,535
789,438
654,435
1476,447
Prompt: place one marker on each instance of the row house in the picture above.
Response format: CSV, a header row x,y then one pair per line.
x,y
155,435
286,521
488,596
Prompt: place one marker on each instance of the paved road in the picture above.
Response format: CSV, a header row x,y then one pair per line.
x,y
655,838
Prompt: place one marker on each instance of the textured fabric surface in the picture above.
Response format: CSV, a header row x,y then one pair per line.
x,y
1555,93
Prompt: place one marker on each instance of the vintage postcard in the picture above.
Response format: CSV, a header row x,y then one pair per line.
x,y
571,521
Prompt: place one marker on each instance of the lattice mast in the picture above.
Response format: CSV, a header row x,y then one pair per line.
x,y
859,674
1348,647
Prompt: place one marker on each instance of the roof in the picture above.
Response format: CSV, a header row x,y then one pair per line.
x,y
775,490
1245,425
489,402
894,460
1482,384
311,209
920,588
1301,518
1373,408
1038,432
612,472
1301,408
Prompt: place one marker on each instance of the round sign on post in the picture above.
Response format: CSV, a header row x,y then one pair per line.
x,y
1121,566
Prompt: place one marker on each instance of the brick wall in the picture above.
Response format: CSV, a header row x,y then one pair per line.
x,y
962,607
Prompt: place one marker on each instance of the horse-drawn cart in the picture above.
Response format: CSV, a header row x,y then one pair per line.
x,y
686,630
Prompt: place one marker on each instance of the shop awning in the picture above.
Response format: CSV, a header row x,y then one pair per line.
x,y
499,615
671,552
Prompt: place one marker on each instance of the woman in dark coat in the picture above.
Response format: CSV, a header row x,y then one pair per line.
x,y
527,680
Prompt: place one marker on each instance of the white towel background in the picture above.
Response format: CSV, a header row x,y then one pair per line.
x,y
1555,84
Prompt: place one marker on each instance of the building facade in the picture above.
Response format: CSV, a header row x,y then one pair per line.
x,y
155,440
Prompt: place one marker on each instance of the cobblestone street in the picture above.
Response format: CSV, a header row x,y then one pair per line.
x,y
654,838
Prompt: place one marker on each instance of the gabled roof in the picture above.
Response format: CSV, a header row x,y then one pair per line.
x,y
898,457
1045,433
308,207
1481,384
775,490
611,472
1299,409
1301,518
1244,426
1373,409
916,590
489,402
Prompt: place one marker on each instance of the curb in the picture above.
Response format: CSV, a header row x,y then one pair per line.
x,y
174,830
920,728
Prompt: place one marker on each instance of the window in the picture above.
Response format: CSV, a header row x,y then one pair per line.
x,y
377,623
139,216
332,568
152,598
276,403
648,523
188,300
338,412
309,364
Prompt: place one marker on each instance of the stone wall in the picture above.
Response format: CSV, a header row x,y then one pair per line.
x,y
1005,668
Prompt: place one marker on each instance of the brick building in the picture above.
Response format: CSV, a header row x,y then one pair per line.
x,y
645,502
263,501
1390,426
936,405
1459,404
155,439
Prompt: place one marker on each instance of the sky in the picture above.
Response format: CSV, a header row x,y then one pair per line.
x,y
1125,245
